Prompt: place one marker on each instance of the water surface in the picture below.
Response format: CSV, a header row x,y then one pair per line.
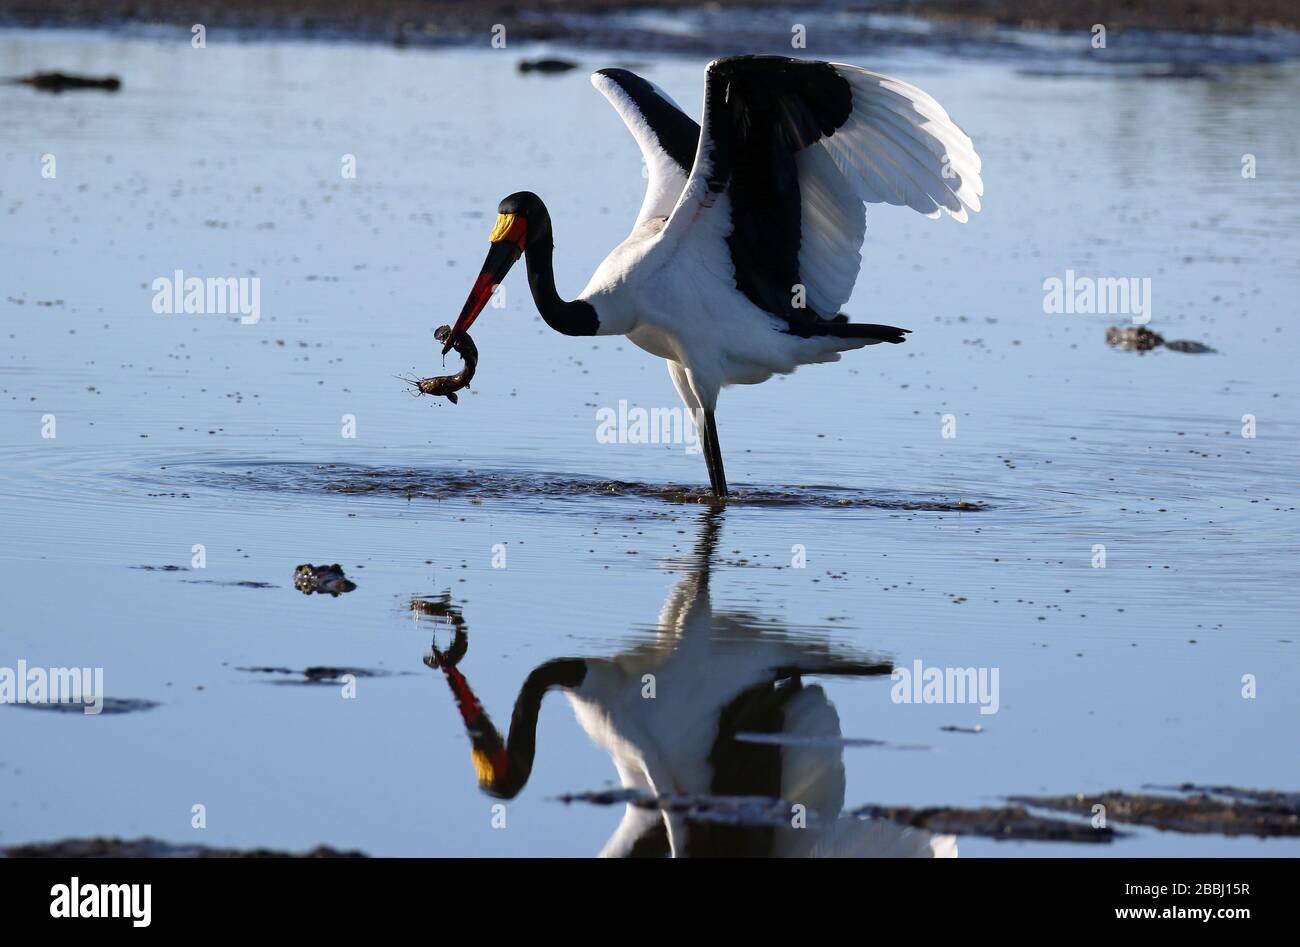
x,y
971,551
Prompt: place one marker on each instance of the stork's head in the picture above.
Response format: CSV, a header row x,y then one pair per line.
x,y
522,219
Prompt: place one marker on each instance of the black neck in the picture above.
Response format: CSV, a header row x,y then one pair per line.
x,y
521,744
570,318
511,759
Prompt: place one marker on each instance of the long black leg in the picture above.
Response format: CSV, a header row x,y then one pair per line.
x,y
713,456
708,460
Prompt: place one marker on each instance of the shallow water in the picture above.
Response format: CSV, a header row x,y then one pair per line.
x,y
973,551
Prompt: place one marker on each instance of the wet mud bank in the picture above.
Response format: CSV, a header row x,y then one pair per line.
x,y
1165,31
1225,810
154,848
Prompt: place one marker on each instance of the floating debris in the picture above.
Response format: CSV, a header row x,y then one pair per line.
x,y
153,848
549,66
326,580
1234,812
317,674
242,584
1142,339
57,82
108,706
448,385
1133,339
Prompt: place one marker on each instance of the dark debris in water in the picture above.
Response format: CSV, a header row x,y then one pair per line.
x,y
154,848
1222,810
109,707
317,674
57,82
239,584
325,580
547,66
1142,339
245,584
242,583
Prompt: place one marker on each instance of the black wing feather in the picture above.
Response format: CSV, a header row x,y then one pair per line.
x,y
764,110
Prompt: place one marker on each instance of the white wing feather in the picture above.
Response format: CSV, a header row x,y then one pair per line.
x,y
665,177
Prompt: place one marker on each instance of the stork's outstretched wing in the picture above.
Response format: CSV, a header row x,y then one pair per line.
x,y
791,150
668,138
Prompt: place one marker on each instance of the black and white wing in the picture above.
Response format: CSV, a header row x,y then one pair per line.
x,y
791,150
667,136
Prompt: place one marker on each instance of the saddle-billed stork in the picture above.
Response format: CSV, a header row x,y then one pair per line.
x,y
748,241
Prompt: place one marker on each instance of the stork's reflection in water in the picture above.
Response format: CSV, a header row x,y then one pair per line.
x,y
716,706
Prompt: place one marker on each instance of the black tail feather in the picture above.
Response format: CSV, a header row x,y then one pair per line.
x,y
842,329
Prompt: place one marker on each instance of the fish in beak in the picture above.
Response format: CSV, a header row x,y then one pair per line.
x,y
507,246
